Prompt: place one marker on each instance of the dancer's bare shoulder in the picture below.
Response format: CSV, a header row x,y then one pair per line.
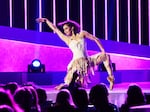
x,y
83,33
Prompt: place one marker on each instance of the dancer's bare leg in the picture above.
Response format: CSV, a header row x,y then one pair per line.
x,y
67,80
107,63
68,77
108,66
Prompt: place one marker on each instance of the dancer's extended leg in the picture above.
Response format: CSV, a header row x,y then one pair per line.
x,y
107,63
67,80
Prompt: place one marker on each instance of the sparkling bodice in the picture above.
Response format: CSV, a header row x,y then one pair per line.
x,y
78,48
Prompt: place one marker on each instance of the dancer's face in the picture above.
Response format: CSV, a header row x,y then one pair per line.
x,y
67,30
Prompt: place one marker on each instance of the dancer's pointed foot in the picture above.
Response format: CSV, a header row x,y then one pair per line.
x,y
60,86
111,82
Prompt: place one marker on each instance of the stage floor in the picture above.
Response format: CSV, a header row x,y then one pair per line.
x,y
116,96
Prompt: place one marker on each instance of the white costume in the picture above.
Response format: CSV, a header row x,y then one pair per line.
x,y
81,62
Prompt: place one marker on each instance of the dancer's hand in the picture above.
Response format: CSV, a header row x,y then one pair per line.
x,y
41,20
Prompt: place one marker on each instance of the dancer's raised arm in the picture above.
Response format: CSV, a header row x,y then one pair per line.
x,y
91,37
54,28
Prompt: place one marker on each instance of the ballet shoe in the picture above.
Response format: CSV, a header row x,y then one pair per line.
x,y
111,82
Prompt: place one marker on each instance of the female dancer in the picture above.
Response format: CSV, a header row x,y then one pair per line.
x,y
81,62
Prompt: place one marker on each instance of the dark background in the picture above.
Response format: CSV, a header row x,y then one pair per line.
x,y
61,15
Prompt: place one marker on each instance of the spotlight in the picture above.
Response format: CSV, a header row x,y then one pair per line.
x,y
36,66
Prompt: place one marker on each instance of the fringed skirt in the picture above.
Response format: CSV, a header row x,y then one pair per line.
x,y
84,66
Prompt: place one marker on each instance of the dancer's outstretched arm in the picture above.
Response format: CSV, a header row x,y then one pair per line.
x,y
91,37
54,28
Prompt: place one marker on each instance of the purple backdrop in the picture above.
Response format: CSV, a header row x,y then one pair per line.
x,y
19,47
